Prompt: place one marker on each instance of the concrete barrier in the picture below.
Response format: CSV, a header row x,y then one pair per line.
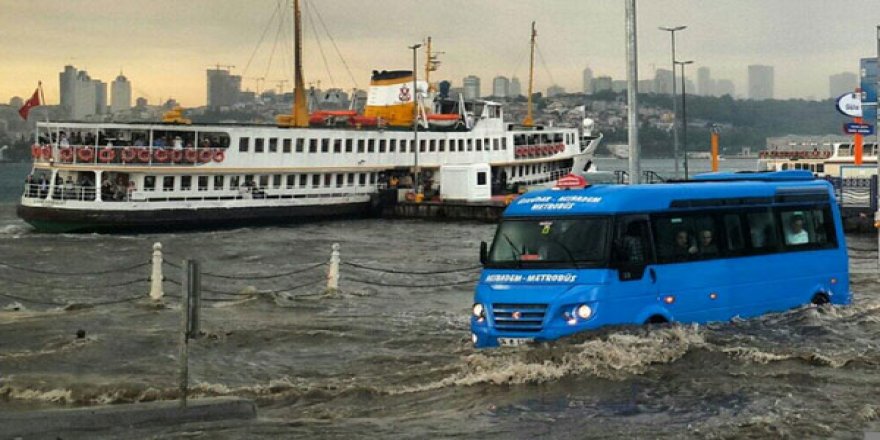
x,y
38,424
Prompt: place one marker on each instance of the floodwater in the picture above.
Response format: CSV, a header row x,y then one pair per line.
x,y
377,360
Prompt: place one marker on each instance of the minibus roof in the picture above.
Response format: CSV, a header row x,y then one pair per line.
x,y
710,189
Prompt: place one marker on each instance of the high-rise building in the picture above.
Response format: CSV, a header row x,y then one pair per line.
x,y
501,87
602,84
704,82
515,89
81,96
67,80
760,82
471,85
141,102
121,94
842,83
588,81
868,84
618,85
724,87
663,81
555,90
100,97
223,89
646,86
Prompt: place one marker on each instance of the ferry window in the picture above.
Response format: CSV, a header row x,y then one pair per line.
x,y
233,182
291,180
313,145
362,179
337,145
371,145
381,145
316,180
784,166
470,145
203,183
442,147
495,144
300,144
325,145
211,140
762,231
339,180
149,183
168,183
258,145
820,167
264,181
503,143
243,144
487,143
185,183
328,180
360,145
432,145
481,178
372,178
273,145
685,237
285,148
350,179
303,180
421,145
479,145
392,145
276,181
519,140
218,183
807,228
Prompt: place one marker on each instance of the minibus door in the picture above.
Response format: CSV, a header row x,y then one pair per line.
x,y
633,258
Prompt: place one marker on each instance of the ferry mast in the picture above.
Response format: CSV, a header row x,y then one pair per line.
x,y
528,119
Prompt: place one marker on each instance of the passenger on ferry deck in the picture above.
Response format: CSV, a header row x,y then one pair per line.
x,y
68,188
64,142
178,143
44,186
139,142
796,234
159,142
106,188
30,185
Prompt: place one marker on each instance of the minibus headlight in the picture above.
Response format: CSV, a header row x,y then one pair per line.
x,y
583,311
479,311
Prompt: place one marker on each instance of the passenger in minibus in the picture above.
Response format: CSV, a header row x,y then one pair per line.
x,y
707,244
682,249
796,234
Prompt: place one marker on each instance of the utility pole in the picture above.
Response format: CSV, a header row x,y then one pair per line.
x,y
672,31
415,123
632,93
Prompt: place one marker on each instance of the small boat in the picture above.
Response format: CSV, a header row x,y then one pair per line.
x,y
442,120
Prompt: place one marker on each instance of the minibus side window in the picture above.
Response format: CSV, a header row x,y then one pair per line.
x,y
632,244
805,228
686,237
762,231
734,233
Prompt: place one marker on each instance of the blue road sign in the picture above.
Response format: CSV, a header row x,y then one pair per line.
x,y
853,128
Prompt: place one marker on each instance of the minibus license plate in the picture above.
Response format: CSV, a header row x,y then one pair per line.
x,y
514,342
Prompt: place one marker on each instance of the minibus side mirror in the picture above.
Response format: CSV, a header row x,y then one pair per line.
x,y
484,252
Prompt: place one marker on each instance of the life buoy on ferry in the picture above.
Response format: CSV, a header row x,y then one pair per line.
x,y
66,154
106,154
219,155
47,152
36,152
161,156
143,155
191,155
826,154
128,154
205,155
532,151
85,154
177,156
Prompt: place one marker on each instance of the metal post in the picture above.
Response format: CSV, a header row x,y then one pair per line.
x,y
877,146
672,31
632,93
333,270
684,117
156,292
190,297
417,182
195,298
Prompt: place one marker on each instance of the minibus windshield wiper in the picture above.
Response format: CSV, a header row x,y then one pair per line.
x,y
568,252
516,254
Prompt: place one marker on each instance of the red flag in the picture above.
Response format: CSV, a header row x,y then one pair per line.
x,y
29,104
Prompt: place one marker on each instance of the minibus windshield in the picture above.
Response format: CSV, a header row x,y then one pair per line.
x,y
567,242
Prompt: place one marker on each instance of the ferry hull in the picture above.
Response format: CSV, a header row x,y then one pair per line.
x,y
46,219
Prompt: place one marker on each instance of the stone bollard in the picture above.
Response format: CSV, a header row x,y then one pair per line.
x,y
156,292
333,270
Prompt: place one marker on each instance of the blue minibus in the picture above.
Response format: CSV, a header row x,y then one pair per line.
x,y
722,245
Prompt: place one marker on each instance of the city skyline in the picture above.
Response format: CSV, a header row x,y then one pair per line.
x,y
164,64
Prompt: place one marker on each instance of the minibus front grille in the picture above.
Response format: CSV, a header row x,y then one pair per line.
x,y
519,317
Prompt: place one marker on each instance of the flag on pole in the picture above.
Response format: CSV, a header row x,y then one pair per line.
x,y
29,104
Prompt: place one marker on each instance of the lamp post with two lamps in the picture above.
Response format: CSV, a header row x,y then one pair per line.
x,y
684,138
672,31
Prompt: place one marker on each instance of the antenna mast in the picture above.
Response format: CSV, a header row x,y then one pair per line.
x,y
528,120
300,112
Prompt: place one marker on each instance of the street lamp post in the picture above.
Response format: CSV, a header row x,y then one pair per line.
x,y
684,137
415,126
672,31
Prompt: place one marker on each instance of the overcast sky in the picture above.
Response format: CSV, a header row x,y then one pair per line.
x,y
165,46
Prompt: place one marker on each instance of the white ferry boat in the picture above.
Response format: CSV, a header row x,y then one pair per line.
x,y
821,162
